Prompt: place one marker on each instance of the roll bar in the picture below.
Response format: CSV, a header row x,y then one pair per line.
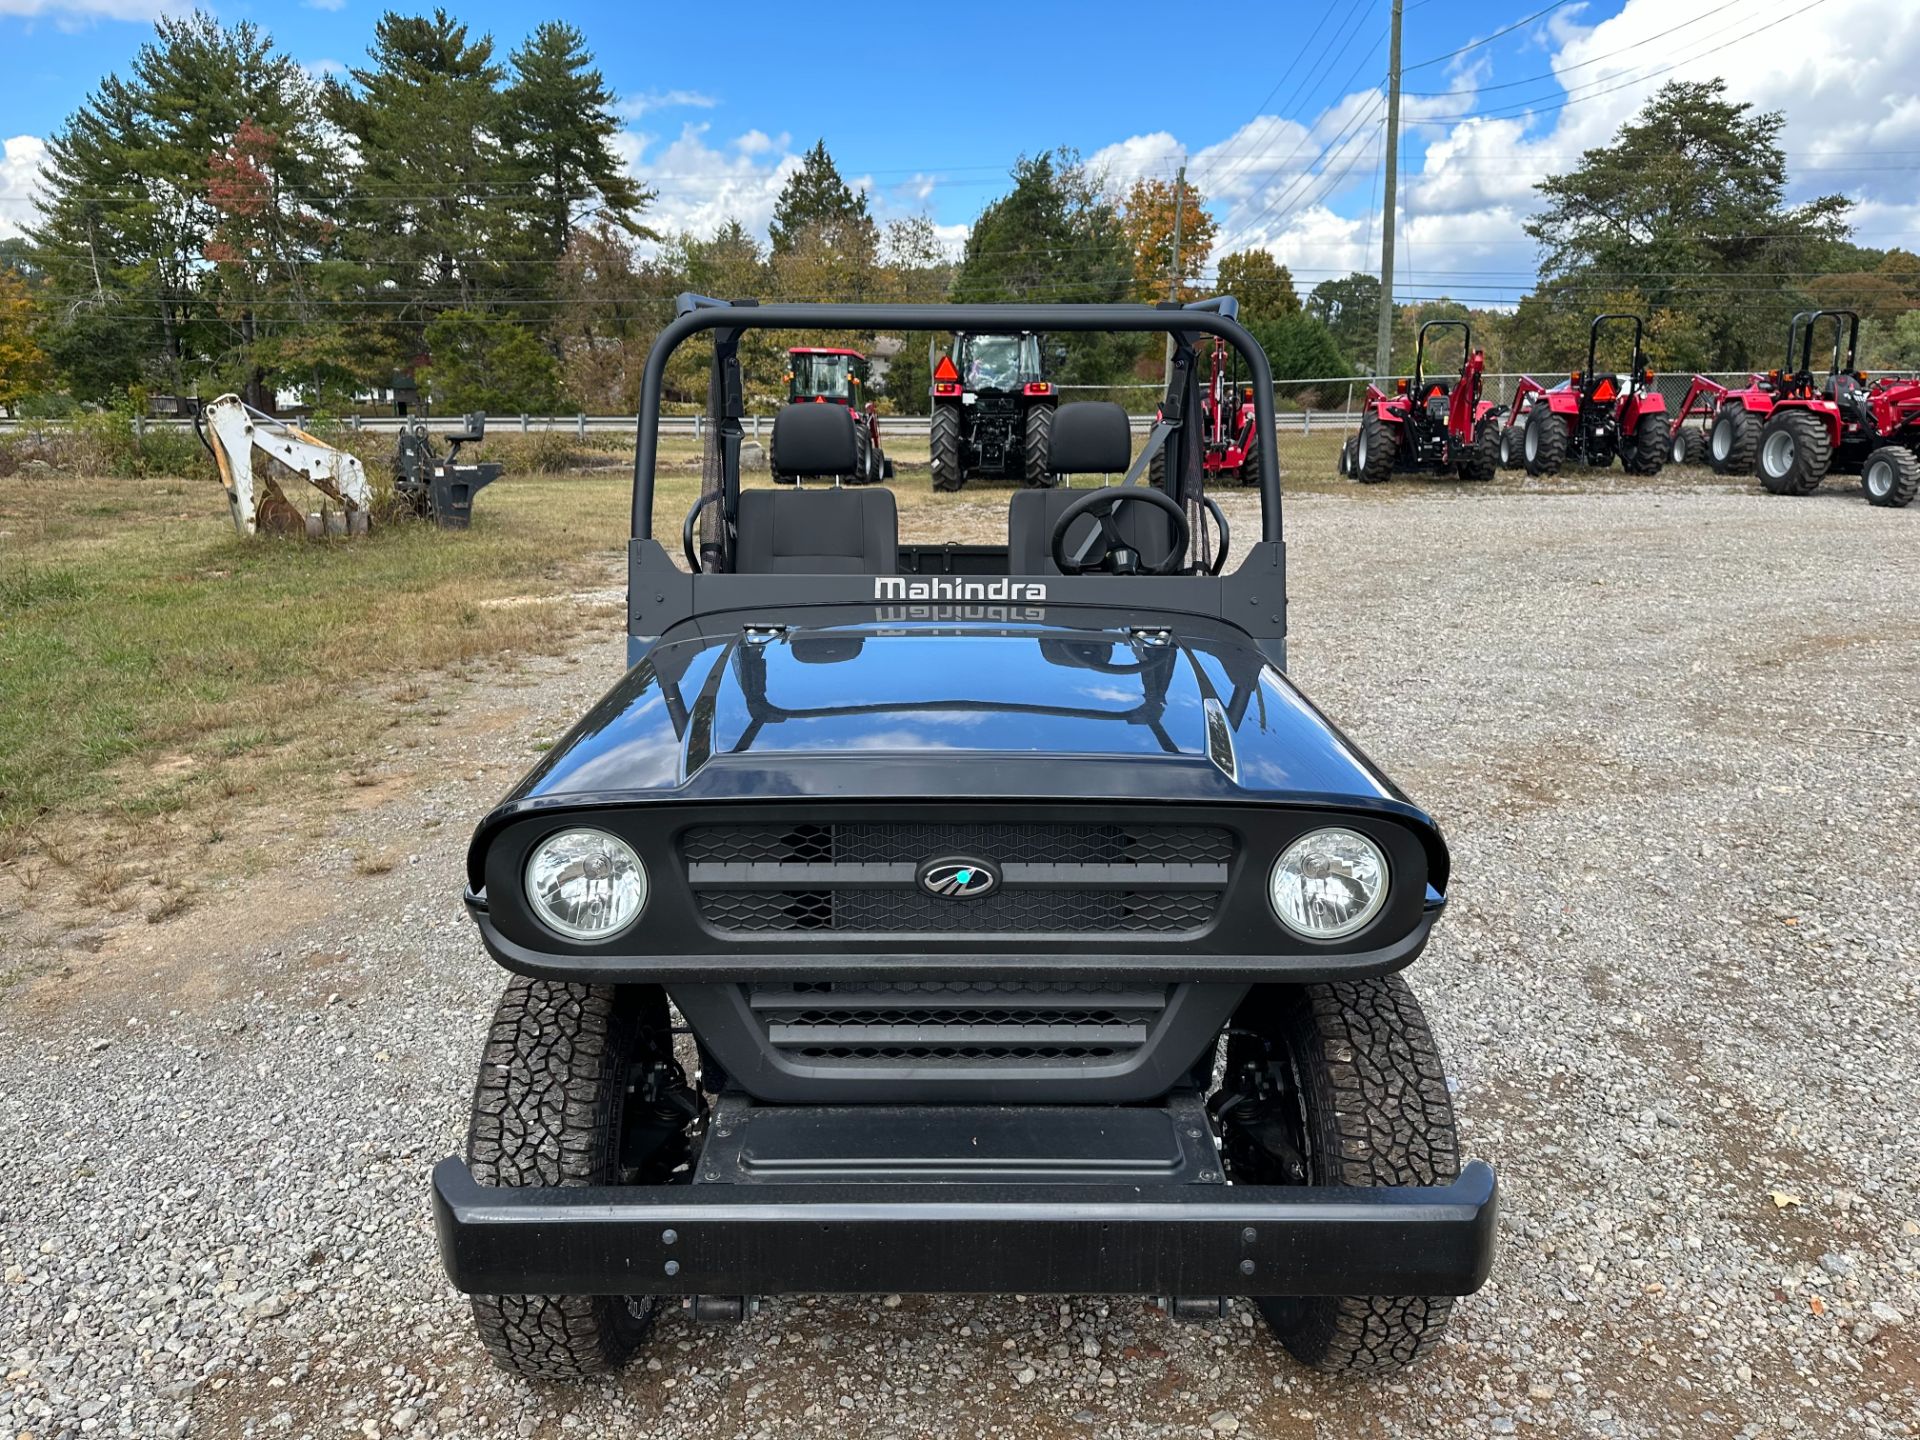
x,y
1846,329
1216,316
1420,349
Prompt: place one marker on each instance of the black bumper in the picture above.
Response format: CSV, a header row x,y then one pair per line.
x,y
978,1239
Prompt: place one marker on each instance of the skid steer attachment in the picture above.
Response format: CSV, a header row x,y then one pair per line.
x,y
232,430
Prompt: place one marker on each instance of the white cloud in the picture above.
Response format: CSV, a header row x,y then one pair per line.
x,y
1139,157
321,69
19,182
647,101
324,4
703,186
67,11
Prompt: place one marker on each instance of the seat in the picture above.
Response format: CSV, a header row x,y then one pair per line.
x,y
1090,437
816,532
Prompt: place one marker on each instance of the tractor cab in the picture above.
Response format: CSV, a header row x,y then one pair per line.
x,y
832,376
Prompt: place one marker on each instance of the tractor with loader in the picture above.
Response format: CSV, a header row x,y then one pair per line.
x,y
992,415
1430,424
1592,416
1793,428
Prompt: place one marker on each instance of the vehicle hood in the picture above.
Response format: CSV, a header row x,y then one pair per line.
x,y
1193,711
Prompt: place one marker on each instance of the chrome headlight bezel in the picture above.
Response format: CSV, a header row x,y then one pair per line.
x,y
1287,862
620,852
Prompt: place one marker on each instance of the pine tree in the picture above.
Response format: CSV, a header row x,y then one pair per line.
x,y
816,200
559,125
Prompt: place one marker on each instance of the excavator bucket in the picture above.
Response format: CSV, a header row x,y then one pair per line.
x,y
233,430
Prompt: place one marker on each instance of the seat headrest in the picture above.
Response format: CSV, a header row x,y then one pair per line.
x,y
1090,437
810,440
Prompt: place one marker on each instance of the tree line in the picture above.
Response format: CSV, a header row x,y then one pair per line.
x,y
442,216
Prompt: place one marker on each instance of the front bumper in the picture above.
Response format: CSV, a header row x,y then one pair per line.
x,y
977,1239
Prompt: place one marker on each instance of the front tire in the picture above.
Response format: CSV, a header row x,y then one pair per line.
x,y
1646,452
1891,477
1730,440
1509,455
1686,446
1039,447
1364,1096
547,1112
1373,461
1482,458
1545,442
943,448
862,455
1250,462
1795,452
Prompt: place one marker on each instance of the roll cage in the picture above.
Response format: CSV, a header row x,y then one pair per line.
x,y
936,581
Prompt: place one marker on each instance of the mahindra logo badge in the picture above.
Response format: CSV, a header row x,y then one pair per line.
x,y
958,878
899,587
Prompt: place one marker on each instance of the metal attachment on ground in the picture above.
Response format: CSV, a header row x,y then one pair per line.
x,y
719,1309
232,430
437,489
1195,1308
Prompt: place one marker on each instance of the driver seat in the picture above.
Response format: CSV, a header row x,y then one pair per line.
x,y
1090,437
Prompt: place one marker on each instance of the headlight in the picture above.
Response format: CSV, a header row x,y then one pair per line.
x,y
586,884
1329,884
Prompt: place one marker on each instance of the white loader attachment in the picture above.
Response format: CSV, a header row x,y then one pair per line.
x,y
233,430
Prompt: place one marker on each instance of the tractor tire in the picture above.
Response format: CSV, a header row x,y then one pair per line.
x,y
1687,446
1795,452
546,1112
1482,458
1039,448
1250,462
1544,445
1346,458
1731,440
1891,476
1373,456
943,448
862,456
1646,451
1370,1094
1510,455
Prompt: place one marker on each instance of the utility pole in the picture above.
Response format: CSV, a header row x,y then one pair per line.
x,y
1179,214
1383,348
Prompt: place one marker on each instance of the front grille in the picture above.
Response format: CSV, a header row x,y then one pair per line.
x,y
1057,878
985,1020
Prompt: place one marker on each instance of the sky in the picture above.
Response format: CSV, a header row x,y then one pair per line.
x,y
1277,112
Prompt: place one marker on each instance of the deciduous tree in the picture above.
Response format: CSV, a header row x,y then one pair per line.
x,y
1148,217
1262,285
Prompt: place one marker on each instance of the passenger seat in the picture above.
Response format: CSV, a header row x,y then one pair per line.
x,y
816,532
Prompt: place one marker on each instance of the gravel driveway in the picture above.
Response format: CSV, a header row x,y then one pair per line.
x,y
1671,736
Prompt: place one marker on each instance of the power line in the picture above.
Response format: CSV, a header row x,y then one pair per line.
x,y
1520,24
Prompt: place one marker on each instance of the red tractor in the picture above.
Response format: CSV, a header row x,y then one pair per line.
x,y
1793,428
817,376
1429,426
1592,416
1230,445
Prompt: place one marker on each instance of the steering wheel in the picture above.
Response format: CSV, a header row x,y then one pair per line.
x,y
1225,530
1101,504
687,546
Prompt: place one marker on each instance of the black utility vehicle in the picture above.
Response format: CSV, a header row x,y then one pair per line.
x,y
1031,930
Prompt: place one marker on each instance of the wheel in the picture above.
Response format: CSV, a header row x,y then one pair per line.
x,y
1544,445
1373,458
1346,457
550,1108
1509,453
1250,462
1039,447
1730,440
1795,452
943,448
1482,458
1686,446
1891,476
862,456
1646,452
1340,1084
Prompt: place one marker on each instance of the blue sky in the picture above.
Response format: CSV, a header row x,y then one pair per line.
x,y
1279,120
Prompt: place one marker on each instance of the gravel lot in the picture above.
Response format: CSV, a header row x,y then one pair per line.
x,y
1671,735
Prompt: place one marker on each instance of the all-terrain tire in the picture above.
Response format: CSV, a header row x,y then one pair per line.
x,y
1646,450
1250,462
546,1112
1346,457
862,455
1510,455
943,447
1891,476
1732,440
1376,1111
1544,445
1687,446
1482,458
1039,448
1795,452
1373,459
